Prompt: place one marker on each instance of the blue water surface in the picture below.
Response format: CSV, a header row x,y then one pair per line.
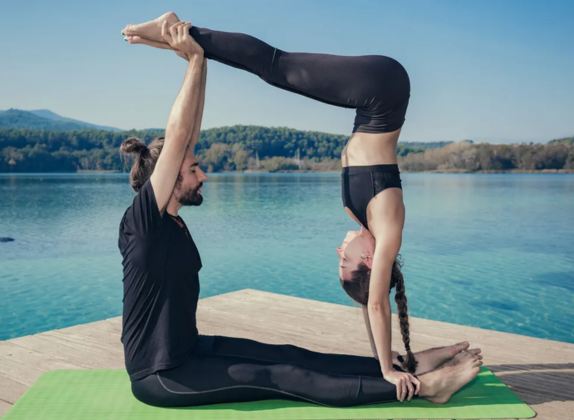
x,y
488,250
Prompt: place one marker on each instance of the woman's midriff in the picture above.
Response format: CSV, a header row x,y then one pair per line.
x,y
365,149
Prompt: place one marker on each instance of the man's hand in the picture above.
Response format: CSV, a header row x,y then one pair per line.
x,y
178,38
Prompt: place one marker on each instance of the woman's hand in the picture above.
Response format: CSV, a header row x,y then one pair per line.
x,y
178,38
407,385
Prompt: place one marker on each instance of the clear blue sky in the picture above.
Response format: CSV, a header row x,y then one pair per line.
x,y
499,71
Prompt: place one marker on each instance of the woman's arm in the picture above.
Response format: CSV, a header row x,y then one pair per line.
x,y
372,340
183,117
369,331
386,216
378,306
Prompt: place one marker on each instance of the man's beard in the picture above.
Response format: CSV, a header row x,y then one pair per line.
x,y
191,197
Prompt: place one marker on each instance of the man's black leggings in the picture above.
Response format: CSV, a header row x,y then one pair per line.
x,y
376,86
228,369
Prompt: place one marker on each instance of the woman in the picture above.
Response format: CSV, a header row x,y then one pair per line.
x,y
220,369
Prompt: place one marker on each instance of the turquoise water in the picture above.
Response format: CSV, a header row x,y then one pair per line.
x,y
494,251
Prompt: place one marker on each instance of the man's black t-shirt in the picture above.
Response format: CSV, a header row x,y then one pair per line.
x,y
161,287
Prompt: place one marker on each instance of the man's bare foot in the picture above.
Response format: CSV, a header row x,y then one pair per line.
x,y
150,30
439,385
431,359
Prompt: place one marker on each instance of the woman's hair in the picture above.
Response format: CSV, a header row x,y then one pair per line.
x,y
145,159
358,289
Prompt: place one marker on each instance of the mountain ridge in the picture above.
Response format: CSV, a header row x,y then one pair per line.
x,y
45,119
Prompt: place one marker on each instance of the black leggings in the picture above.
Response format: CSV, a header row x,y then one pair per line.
x,y
228,369
376,86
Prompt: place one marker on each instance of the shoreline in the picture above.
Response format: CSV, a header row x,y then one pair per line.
x,y
497,171
110,171
258,171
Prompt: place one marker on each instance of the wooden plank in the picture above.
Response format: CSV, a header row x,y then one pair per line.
x,y
4,407
77,354
25,365
11,390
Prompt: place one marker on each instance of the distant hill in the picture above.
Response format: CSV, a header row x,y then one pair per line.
x,y
44,119
564,140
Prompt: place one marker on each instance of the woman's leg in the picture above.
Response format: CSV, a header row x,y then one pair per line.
x,y
217,379
377,86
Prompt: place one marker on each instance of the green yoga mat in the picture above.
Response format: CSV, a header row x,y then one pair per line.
x,y
105,394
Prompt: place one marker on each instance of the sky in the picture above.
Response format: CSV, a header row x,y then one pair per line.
x,y
496,71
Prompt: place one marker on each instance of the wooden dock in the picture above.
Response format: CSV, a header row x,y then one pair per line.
x,y
540,371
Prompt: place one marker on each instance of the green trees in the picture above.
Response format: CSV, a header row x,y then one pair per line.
x,y
240,148
469,157
219,149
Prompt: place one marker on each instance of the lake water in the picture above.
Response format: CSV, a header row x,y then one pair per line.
x,y
494,251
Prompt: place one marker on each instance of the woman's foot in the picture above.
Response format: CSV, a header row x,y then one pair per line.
x,y
150,30
135,39
431,359
454,360
439,385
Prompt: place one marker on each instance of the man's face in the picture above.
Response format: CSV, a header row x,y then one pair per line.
x,y
187,189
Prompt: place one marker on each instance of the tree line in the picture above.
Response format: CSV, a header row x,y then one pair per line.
x,y
466,156
239,148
